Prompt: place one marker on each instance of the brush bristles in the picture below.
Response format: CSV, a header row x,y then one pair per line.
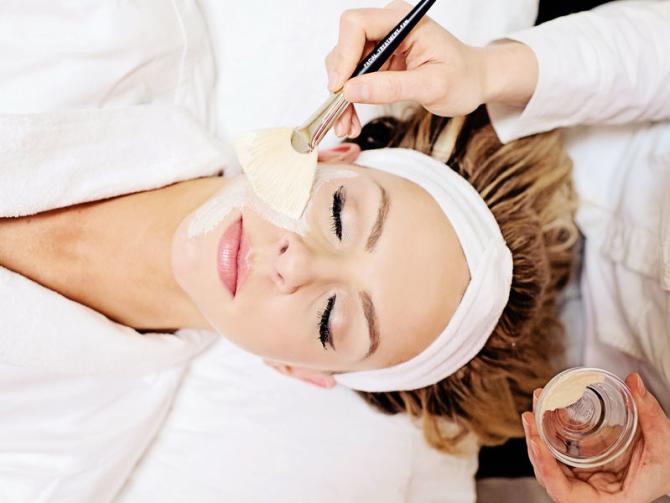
x,y
278,174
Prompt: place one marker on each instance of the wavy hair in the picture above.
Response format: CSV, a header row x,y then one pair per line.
x,y
527,185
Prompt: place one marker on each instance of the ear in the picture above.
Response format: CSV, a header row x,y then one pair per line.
x,y
315,377
344,152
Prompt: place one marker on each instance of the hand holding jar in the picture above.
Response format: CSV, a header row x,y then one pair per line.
x,y
645,475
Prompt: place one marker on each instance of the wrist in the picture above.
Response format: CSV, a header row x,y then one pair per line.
x,y
509,73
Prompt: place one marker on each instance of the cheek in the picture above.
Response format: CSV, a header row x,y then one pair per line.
x,y
268,328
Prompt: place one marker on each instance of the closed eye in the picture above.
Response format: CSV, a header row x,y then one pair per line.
x,y
336,212
324,324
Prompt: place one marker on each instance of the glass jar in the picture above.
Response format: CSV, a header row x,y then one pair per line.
x,y
588,420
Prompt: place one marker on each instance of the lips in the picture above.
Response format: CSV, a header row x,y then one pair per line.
x,y
232,257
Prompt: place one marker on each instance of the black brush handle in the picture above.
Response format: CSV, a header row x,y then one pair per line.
x,y
385,47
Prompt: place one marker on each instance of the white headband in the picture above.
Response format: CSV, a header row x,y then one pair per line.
x,y
489,261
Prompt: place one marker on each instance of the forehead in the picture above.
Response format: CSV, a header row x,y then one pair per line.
x,y
417,273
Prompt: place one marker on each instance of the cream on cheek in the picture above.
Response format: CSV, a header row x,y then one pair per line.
x,y
239,194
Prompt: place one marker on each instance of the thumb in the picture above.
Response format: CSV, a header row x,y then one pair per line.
x,y
650,413
387,87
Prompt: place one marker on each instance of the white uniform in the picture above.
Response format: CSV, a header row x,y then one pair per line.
x,y
607,73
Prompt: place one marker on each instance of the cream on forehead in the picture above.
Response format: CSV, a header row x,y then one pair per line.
x,y
239,194
328,174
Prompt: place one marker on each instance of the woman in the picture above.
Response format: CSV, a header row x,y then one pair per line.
x,y
304,301
592,68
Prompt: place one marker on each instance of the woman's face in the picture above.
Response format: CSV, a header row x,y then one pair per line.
x,y
367,280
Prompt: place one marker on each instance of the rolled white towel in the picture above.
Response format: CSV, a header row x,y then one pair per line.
x,y
58,159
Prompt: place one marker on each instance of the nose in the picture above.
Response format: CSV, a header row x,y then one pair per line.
x,y
292,263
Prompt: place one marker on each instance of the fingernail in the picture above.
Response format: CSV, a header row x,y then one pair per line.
x,y
358,92
640,385
524,421
338,130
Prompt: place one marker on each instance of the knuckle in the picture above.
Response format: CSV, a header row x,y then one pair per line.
x,y
399,5
349,18
331,58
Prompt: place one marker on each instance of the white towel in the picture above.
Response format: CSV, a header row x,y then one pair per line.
x,y
58,159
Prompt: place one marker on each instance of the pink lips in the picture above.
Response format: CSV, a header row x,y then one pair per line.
x,y
232,257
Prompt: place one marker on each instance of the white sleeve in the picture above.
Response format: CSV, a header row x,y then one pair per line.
x,y
606,66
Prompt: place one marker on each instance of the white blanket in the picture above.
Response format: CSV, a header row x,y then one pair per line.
x,y
81,397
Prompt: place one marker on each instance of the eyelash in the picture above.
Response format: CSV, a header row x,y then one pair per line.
x,y
336,212
324,316
324,320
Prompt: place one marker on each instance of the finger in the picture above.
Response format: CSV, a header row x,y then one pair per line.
x,y
356,27
335,81
390,87
554,479
399,4
527,419
547,469
343,124
355,125
350,125
536,396
651,417
396,63
529,424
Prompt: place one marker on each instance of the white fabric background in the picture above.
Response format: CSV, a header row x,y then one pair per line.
x,y
236,431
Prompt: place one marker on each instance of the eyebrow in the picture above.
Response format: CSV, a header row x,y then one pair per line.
x,y
366,300
378,226
371,317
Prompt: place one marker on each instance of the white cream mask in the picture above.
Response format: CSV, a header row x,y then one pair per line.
x,y
239,193
215,209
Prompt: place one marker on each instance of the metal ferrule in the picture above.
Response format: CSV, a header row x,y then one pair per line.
x,y
308,136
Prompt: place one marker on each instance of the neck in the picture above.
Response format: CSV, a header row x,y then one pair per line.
x,y
123,257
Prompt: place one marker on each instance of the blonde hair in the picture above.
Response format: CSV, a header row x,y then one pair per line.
x,y
527,185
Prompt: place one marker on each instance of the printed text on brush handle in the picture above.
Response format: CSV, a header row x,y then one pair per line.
x,y
383,50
